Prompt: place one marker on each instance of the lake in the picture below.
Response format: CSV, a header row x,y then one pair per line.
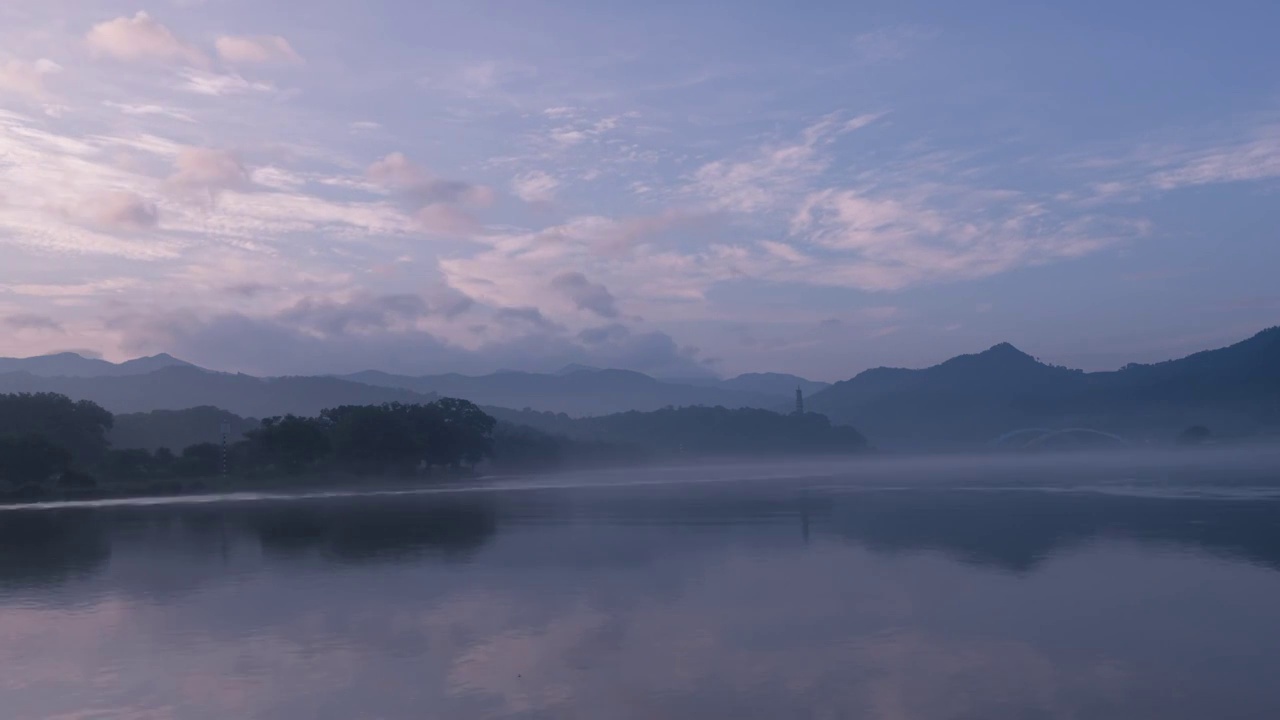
x,y
946,590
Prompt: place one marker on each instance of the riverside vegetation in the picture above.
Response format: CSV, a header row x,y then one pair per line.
x,y
52,446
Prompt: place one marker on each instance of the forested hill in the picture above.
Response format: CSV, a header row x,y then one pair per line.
x,y
183,387
50,443
691,431
69,364
177,429
966,402
178,387
582,391
701,431
972,399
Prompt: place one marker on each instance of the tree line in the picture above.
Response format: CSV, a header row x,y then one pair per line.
x,y
697,430
50,441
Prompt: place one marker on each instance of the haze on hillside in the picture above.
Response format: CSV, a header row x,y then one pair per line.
x,y
975,401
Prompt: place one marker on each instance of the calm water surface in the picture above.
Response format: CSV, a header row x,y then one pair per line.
x,y
1081,594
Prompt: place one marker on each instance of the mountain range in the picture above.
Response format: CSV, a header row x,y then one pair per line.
x,y
975,398
967,400
778,384
581,391
69,364
181,387
575,390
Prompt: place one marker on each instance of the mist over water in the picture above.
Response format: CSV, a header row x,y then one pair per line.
x,y
1112,585
1227,470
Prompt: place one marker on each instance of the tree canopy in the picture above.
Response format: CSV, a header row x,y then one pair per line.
x,y
702,431
48,439
31,459
79,427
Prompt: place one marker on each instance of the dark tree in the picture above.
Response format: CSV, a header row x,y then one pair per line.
x,y
78,427
376,439
372,438
31,460
516,447
200,460
468,431
128,465
73,479
290,442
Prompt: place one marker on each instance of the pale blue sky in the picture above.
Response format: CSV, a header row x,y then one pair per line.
x,y
673,187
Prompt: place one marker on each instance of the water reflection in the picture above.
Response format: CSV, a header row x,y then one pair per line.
x,y
363,530
1018,530
50,547
1015,530
806,599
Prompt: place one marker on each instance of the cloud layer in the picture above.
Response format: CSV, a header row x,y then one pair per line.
x,y
303,182
141,39
257,50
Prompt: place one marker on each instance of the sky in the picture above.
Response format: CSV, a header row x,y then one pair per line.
x,y
681,188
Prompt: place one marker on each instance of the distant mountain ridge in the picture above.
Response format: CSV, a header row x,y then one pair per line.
x,y
182,387
620,437
575,391
974,398
967,401
780,385
69,364
177,429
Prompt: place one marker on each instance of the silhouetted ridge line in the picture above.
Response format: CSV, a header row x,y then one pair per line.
x,y
972,399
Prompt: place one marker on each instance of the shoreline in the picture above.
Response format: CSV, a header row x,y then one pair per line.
x,y
1162,470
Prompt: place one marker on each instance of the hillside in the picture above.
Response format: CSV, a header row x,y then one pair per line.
x,y
534,440
698,430
575,391
178,388
967,401
73,365
578,390
973,399
781,386
177,429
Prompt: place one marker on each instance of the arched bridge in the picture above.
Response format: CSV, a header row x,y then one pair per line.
x,y
1058,439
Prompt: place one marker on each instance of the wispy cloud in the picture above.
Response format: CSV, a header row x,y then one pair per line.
x,y
194,149
146,110
1247,153
488,81
256,50
585,294
124,211
141,38
365,126
776,173
443,206
887,242
85,289
1252,158
27,78
891,43
535,187
208,170
32,321
397,172
217,84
